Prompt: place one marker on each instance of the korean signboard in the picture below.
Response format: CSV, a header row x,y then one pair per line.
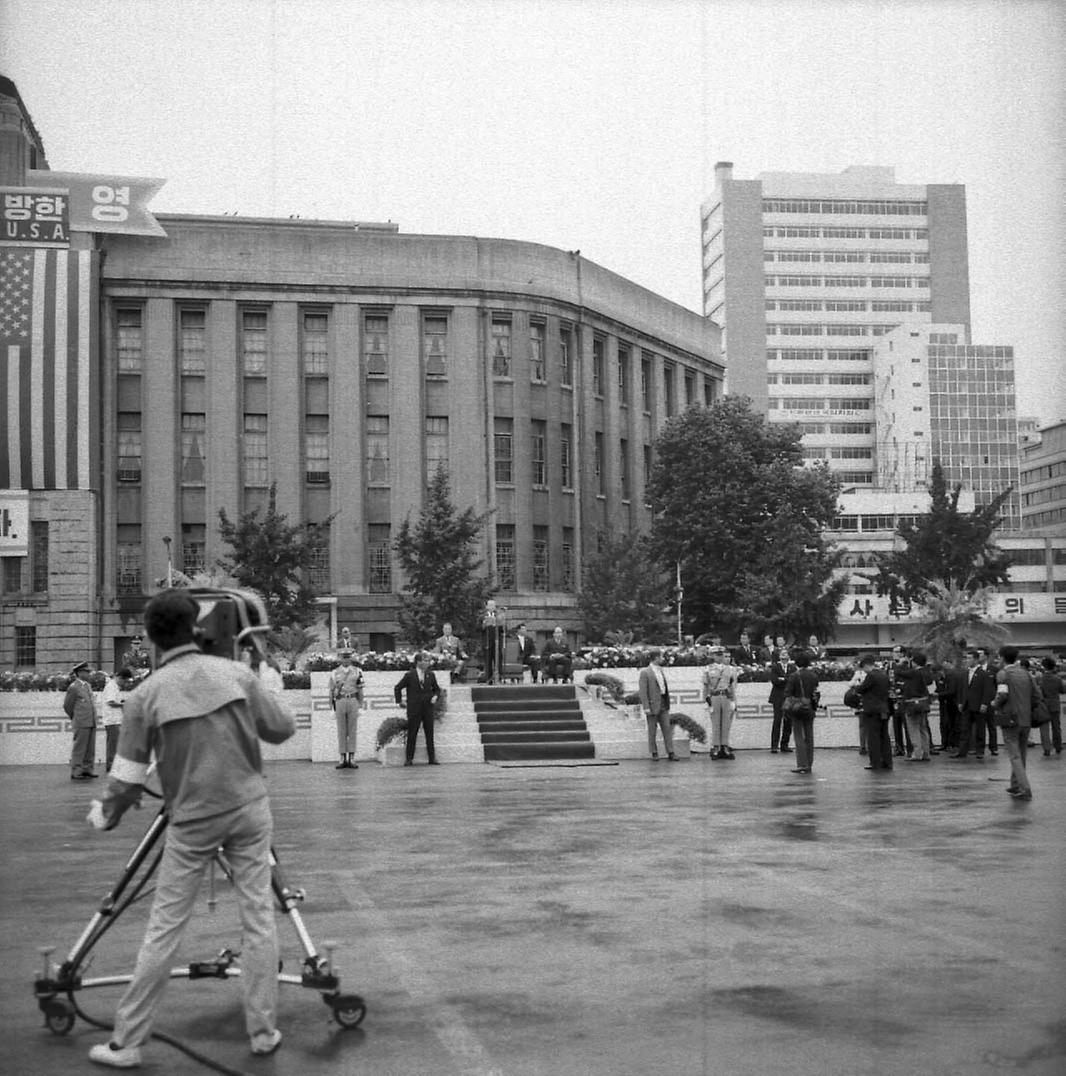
x,y
14,522
38,216
98,203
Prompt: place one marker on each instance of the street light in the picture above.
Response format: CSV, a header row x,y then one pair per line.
x,y
170,563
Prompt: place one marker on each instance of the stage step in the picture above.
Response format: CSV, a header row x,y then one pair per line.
x,y
531,722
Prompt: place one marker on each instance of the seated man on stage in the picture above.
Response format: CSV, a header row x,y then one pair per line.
x,y
557,659
452,646
527,653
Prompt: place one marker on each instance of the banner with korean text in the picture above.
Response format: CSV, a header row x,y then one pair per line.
x,y
48,390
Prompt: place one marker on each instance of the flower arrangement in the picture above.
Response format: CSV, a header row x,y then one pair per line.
x,y
372,661
694,729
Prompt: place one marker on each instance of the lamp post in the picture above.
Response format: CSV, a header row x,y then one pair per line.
x,y
170,562
679,593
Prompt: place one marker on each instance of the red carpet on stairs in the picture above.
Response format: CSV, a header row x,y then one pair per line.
x,y
531,721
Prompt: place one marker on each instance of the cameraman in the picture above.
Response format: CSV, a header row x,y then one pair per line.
x,y
202,717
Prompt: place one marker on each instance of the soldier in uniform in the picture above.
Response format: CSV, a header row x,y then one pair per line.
x,y
346,698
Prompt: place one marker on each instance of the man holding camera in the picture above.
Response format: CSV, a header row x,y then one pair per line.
x,y
202,717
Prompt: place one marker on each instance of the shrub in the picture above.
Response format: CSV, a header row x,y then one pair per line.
x,y
612,684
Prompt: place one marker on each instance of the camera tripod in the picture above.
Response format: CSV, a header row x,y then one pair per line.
x,y
57,985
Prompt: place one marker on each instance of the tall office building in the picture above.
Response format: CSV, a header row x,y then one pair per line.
x,y
804,272
937,397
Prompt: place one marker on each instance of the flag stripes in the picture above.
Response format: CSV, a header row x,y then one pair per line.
x,y
47,391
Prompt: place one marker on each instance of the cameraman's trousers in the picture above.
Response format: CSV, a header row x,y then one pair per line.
x,y
244,836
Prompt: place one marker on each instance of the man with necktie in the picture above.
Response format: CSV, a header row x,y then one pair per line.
x,y
655,699
422,692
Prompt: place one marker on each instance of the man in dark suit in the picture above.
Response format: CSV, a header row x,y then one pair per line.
x,y
557,659
745,653
874,714
527,651
781,728
976,691
948,686
422,692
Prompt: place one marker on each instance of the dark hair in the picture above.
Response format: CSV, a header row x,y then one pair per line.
x,y
170,617
1009,654
867,659
1024,663
918,657
1050,664
124,673
803,659
654,653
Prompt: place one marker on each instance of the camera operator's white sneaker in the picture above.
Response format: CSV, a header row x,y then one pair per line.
x,y
266,1043
118,1057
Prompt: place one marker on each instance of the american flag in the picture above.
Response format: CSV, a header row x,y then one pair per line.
x,y
48,333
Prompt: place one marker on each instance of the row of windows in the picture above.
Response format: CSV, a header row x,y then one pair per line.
x,y
815,354
819,403
1044,496
849,257
847,428
253,349
969,351
846,452
819,379
1045,470
807,280
836,206
887,522
1047,518
885,306
818,329
813,231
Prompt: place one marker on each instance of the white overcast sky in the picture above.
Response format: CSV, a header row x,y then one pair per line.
x,y
581,124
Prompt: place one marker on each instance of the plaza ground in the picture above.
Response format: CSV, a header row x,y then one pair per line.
x,y
690,918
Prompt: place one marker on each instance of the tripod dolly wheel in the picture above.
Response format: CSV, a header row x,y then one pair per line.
x,y
58,1016
348,1009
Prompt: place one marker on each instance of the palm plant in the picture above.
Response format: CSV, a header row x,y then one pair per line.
x,y
957,618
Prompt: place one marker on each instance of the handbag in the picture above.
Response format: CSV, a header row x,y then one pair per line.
x,y
1003,713
853,699
1041,714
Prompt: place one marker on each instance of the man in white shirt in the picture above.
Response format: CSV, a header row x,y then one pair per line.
x,y
111,699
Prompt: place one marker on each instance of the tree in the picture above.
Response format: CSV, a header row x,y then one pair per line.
x,y
745,520
622,592
274,558
293,642
945,546
438,558
958,619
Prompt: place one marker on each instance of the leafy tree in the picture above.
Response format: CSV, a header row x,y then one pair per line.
x,y
623,594
274,557
745,520
945,546
438,558
958,619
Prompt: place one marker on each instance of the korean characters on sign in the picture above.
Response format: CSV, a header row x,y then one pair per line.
x,y
40,217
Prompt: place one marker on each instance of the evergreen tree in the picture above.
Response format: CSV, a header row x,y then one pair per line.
x,y
274,557
745,520
438,558
945,546
622,591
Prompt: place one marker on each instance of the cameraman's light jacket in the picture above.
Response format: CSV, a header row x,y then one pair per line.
x,y
203,717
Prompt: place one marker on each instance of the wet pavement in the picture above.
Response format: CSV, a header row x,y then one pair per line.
x,y
690,918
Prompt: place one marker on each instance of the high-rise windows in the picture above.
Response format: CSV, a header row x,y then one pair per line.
x,y
39,556
377,450
129,446
623,467
536,351
503,450
253,342
129,565
539,452
192,341
623,375
505,557
193,548
436,446
645,383
318,575
599,477
314,342
129,339
435,344
376,342
316,449
567,559
26,645
597,366
501,347
541,570
566,353
193,432
379,556
566,443
256,461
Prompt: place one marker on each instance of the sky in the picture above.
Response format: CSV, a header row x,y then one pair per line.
x,y
587,124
